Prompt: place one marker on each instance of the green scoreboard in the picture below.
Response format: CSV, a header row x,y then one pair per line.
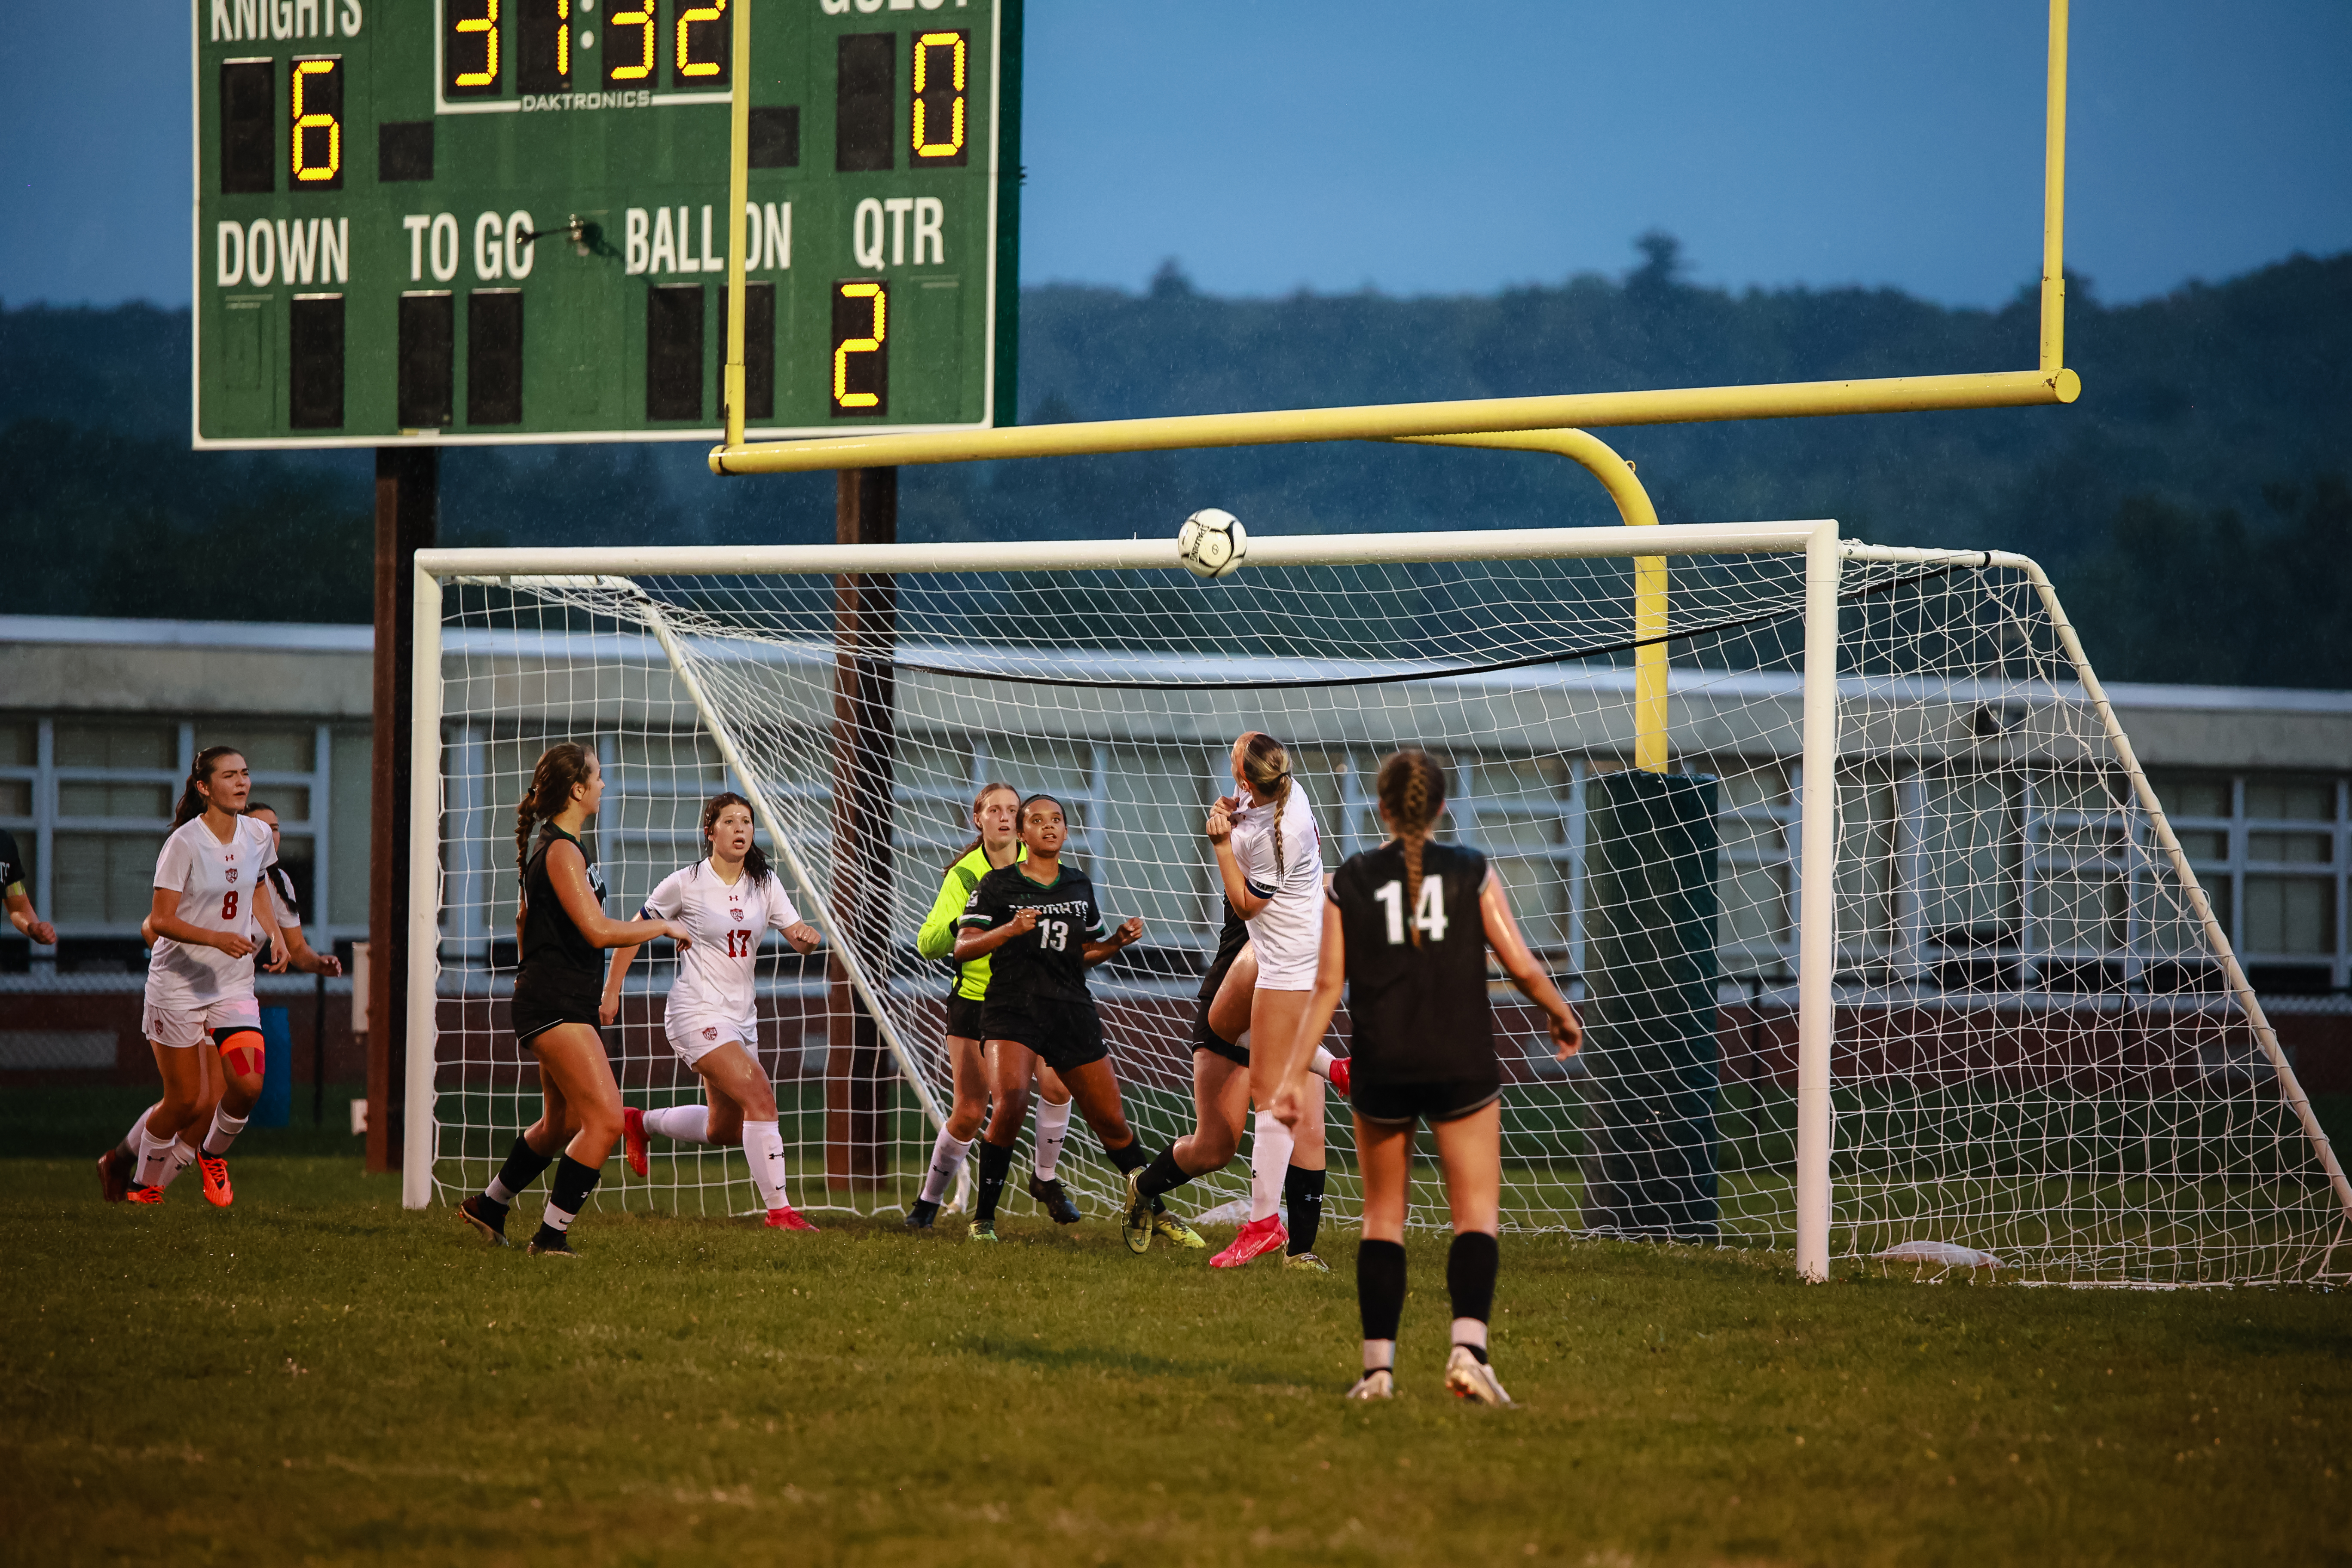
x,y
454,221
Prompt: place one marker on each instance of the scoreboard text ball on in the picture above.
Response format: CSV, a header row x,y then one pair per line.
x,y
506,220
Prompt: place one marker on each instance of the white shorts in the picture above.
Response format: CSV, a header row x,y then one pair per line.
x,y
1285,962
188,1023
694,1035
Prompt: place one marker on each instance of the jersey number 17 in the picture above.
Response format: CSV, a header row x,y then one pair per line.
x,y
1430,916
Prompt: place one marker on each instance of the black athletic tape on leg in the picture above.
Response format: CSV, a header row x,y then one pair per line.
x,y
1470,1266
523,1165
1379,1286
1128,1156
1302,1195
995,1164
1162,1175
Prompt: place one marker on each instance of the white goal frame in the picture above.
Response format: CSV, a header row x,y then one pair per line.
x,y
1824,553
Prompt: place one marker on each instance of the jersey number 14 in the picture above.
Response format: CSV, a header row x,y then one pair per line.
x,y
1430,916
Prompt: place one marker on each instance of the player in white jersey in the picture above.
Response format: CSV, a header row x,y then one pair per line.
x,y
729,902
1270,861
210,911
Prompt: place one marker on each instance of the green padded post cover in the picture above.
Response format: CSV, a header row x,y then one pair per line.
x,y
1651,1060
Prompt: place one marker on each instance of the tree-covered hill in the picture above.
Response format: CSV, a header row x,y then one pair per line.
x,y
2192,504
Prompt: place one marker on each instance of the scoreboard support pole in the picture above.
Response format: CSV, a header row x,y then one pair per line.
x,y
865,619
407,518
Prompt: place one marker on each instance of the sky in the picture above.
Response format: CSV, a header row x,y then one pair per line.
x,y
1463,146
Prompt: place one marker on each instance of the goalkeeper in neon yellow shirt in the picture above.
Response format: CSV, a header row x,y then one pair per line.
x,y
994,813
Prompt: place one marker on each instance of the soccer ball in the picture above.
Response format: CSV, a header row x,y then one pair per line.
x,y
1212,543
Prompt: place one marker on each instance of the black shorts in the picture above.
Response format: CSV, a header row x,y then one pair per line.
x,y
1065,1034
1230,942
1402,1104
964,1017
543,1001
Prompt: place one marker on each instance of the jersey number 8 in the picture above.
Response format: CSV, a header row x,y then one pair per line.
x,y
228,905
1429,917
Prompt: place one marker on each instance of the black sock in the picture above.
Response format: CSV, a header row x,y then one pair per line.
x,y
1302,1195
1379,1286
995,1164
1470,1266
573,1183
523,1167
1129,1156
1162,1175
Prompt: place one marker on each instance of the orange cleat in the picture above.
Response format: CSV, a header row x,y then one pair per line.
x,y
144,1195
217,1192
787,1218
115,1170
1340,1074
1258,1239
633,1138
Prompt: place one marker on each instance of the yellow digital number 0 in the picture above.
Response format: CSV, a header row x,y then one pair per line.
x,y
487,24
841,396
954,43
303,170
686,65
643,17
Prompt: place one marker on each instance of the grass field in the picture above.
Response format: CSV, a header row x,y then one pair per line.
x,y
317,1375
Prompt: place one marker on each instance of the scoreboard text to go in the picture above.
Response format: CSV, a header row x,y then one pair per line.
x,y
507,219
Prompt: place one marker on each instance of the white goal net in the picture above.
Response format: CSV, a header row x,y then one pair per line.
x,y
2035,1047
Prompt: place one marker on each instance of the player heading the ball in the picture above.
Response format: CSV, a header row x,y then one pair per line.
x,y
727,902
1405,932
560,931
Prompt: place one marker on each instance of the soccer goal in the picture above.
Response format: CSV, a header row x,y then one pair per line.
x,y
1895,960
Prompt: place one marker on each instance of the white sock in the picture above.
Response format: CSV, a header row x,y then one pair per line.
x,y
154,1157
1470,1331
224,1131
1270,1147
134,1140
1322,1065
555,1218
1379,1355
681,1123
763,1148
178,1158
1053,1131
497,1191
948,1152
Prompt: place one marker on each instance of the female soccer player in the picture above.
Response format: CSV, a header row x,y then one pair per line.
x,y
560,927
1038,922
210,907
993,813
18,900
1269,859
1398,935
728,900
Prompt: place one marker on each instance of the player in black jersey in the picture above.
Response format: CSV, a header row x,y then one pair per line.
x,y
1398,933
560,931
1038,924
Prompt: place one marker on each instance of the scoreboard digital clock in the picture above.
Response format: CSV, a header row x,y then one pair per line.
x,y
451,221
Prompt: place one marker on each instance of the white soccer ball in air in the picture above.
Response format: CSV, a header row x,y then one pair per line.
x,y
1212,543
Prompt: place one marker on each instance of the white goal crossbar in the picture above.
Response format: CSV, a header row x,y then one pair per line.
x,y
1825,556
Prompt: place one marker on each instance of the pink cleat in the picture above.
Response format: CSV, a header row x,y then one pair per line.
x,y
1340,1074
787,1218
633,1138
1258,1239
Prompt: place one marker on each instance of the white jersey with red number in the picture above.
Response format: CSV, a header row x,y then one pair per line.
x,y
1289,931
714,977
217,883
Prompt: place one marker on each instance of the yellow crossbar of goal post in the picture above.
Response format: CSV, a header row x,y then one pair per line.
x,y
1546,423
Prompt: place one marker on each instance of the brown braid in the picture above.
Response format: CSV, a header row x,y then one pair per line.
x,y
1412,791
561,766
1265,762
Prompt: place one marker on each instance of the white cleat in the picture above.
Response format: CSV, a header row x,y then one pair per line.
x,y
1378,1383
1467,1377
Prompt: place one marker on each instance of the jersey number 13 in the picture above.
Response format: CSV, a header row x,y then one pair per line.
x,y
1430,916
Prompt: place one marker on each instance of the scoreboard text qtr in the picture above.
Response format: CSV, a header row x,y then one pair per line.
x,y
506,220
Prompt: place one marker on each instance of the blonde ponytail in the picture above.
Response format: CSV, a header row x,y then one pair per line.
x,y
1265,762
